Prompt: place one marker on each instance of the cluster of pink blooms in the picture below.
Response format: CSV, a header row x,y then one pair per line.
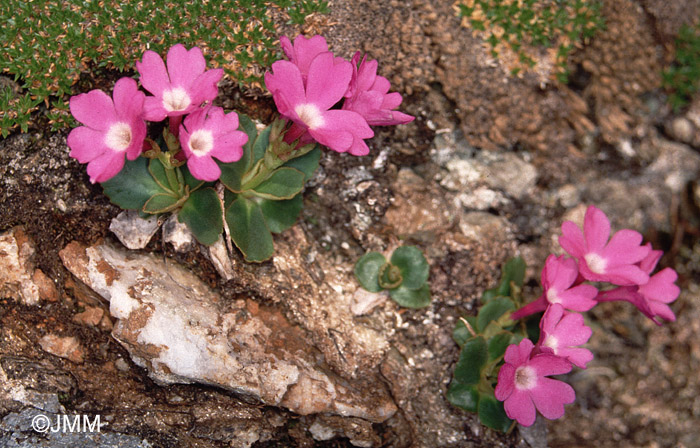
x,y
622,261
305,90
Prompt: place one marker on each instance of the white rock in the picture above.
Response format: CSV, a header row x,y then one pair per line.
x,y
133,231
178,234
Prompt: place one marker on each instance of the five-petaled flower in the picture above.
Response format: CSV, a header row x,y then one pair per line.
x,y
209,133
309,104
600,260
523,385
112,129
559,281
561,333
652,298
182,88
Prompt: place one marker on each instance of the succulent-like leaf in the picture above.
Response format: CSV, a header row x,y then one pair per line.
x,y
461,333
202,213
367,270
281,215
283,183
157,170
248,230
493,310
307,164
411,298
498,344
413,266
133,186
471,361
162,203
463,396
491,412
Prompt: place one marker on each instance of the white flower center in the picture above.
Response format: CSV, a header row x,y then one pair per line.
x,y
525,378
551,342
310,115
552,296
201,142
596,263
176,99
118,136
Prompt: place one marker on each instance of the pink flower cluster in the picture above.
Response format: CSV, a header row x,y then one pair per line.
x,y
523,383
115,127
309,87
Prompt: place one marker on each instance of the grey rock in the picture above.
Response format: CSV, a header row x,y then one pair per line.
x,y
133,231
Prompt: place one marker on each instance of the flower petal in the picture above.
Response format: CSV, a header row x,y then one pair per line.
x,y
205,86
550,396
203,168
185,66
86,144
287,87
519,406
506,382
93,109
624,248
154,76
546,364
596,228
106,166
328,80
571,240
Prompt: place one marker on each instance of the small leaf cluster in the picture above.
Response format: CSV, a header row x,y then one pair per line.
x,y
48,44
682,78
522,26
262,193
483,339
405,275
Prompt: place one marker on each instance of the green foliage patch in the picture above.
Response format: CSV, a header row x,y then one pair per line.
x,y
48,44
521,27
682,78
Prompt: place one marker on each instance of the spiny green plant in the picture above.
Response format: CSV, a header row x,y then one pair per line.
x,y
47,44
523,26
682,78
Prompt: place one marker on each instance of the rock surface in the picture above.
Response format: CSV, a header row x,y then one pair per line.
x,y
181,331
18,276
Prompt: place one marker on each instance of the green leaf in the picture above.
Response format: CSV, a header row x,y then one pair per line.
x,y
513,271
367,270
307,164
491,412
461,334
260,145
411,298
498,344
413,266
248,230
232,173
283,183
192,181
203,215
157,170
463,396
281,215
492,310
161,203
471,361
133,186
247,125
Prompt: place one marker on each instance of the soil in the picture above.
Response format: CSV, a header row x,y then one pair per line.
x,y
642,388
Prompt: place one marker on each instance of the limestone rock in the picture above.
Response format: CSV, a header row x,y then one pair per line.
x,y
18,277
132,230
65,347
181,331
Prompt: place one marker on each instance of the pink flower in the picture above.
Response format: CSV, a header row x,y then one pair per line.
x,y
611,261
652,298
368,95
180,89
303,52
523,385
559,277
112,129
208,133
561,332
308,105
